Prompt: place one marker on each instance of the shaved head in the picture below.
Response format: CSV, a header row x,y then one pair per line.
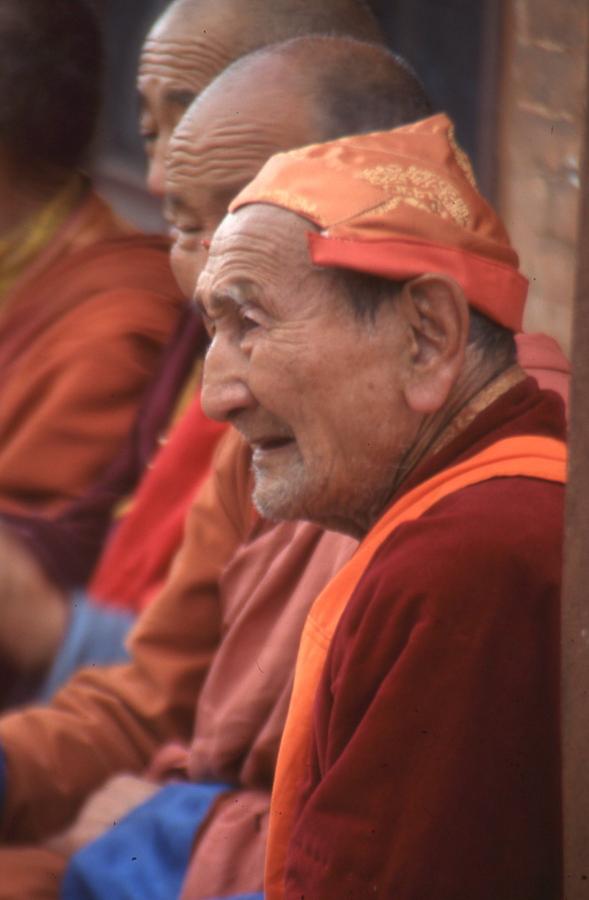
x,y
204,36
337,85
300,92
194,40
255,23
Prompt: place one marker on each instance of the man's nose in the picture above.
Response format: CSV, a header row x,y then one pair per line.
x,y
225,390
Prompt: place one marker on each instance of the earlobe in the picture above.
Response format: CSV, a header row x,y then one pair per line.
x,y
437,312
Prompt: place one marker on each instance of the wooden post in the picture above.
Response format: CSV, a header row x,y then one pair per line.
x,y
575,609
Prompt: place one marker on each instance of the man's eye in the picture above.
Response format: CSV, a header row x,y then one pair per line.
x,y
189,229
248,322
148,130
208,324
149,140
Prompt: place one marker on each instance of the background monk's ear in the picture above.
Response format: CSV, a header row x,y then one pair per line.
x,y
437,312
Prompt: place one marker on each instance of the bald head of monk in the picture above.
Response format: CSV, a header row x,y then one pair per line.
x,y
194,40
281,97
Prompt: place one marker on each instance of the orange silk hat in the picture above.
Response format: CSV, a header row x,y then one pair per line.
x,y
398,204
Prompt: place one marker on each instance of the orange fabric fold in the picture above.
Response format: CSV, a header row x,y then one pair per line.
x,y
500,290
528,456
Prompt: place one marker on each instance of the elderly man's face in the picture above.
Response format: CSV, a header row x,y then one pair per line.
x,y
195,204
213,154
316,390
207,165
177,63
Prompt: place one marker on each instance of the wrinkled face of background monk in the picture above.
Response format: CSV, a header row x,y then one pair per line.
x,y
174,68
213,155
201,180
316,389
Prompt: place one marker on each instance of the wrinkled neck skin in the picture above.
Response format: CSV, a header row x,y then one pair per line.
x,y
478,387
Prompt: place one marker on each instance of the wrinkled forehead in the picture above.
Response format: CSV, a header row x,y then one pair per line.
x,y
184,53
211,150
212,147
259,242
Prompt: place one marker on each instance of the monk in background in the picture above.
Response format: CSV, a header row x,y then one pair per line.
x,y
86,303
186,47
241,620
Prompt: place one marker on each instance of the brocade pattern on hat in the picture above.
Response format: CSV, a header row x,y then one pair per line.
x,y
420,188
461,157
295,202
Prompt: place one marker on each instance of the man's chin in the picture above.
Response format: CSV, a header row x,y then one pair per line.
x,y
277,500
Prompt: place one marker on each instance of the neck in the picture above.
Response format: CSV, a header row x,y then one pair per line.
x,y
464,411
468,399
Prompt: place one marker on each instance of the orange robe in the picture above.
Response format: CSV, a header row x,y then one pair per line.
x,y
81,334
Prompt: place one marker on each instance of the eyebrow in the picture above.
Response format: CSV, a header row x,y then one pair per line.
x,y
236,294
178,96
216,302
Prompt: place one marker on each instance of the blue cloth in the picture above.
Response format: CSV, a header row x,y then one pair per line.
x,y
145,856
95,637
3,784
241,897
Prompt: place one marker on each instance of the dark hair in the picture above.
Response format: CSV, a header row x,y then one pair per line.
x,y
491,339
366,293
50,76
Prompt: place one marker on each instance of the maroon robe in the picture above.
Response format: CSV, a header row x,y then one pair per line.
x,y
435,761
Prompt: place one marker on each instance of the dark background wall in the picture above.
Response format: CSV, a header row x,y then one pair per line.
x,y
442,42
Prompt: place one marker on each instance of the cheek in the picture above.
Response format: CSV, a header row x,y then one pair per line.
x,y
284,380
187,263
275,367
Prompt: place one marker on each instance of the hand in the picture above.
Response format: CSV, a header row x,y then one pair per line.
x,y
33,611
104,809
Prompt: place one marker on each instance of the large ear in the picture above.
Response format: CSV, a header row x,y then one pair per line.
x,y
437,312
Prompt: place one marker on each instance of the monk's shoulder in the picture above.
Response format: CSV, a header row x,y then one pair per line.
x,y
133,263
486,545
120,288
510,517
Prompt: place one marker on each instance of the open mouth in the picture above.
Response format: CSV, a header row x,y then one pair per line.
x,y
270,445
